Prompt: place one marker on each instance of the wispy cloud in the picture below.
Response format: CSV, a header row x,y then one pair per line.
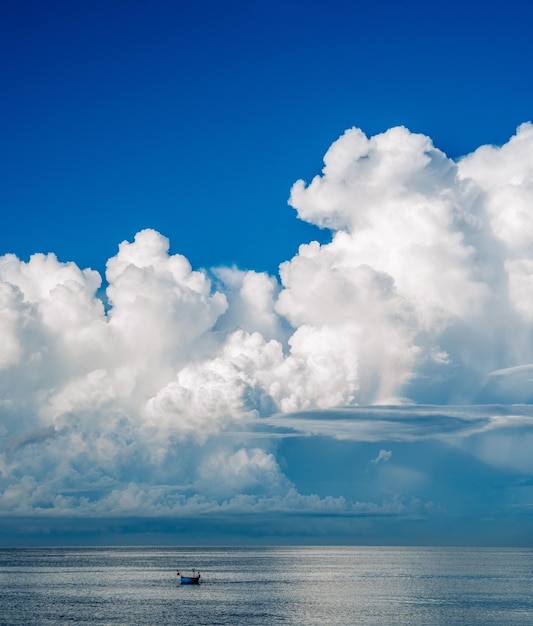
x,y
382,457
405,423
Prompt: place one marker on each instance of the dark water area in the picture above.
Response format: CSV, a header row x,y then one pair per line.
x,y
295,586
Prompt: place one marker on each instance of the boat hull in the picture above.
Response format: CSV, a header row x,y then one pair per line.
x,y
190,580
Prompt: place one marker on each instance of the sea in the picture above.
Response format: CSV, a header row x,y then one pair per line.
x,y
267,585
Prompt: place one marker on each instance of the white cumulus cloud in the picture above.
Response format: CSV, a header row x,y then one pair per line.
x,y
424,294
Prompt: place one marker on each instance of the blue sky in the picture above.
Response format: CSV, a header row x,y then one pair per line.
x,y
173,363
196,118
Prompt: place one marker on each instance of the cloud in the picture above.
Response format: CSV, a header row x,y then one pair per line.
x,y
409,422
382,457
182,392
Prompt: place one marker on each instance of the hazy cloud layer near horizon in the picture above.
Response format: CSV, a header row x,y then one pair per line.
x,y
161,401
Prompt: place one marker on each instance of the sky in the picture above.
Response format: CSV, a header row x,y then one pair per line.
x,y
266,273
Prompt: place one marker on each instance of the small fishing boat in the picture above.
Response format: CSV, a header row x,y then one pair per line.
x,y
193,579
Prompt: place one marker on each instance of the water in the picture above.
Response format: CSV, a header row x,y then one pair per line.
x,y
290,586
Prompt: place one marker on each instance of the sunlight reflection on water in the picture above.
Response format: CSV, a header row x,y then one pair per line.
x,y
296,586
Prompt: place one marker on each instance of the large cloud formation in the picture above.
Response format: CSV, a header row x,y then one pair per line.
x,y
153,402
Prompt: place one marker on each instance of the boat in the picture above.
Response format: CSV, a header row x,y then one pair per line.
x,y
193,579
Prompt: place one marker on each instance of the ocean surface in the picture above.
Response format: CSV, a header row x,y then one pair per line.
x,y
315,585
